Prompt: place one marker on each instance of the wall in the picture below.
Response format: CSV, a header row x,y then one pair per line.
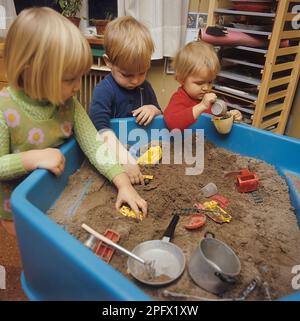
x,y
198,6
165,85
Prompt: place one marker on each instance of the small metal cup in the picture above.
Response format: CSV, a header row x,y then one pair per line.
x,y
219,108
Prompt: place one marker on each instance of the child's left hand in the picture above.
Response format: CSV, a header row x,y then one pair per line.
x,y
237,115
145,114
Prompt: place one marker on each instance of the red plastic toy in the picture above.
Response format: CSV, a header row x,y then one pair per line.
x,y
221,200
104,251
247,181
197,220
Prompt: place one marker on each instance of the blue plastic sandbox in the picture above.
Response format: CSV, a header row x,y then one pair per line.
x,y
56,266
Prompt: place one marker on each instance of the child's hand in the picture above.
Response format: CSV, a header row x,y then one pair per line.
x,y
145,114
127,194
209,99
237,115
130,196
49,158
134,173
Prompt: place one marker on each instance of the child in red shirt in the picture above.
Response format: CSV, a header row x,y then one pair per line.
x,y
196,66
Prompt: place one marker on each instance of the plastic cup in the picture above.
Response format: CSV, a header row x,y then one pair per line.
x,y
209,189
223,125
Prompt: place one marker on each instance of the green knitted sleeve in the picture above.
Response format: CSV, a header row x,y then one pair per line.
x,y
93,145
11,165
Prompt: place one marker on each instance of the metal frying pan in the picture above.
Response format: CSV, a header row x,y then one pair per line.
x,y
168,258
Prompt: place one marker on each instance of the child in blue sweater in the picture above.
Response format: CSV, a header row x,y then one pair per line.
x,y
125,92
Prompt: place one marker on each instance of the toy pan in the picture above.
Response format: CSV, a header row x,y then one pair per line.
x,y
56,266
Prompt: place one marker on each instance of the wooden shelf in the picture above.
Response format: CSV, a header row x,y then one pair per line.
x,y
239,77
242,62
236,93
278,83
258,50
244,13
243,109
100,68
95,40
253,32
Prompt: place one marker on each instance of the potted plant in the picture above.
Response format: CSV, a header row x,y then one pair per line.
x,y
70,8
100,24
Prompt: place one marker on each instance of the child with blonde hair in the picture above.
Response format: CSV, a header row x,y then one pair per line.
x,y
45,56
196,66
125,92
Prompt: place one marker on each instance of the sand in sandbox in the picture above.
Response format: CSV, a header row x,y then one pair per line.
x,y
264,236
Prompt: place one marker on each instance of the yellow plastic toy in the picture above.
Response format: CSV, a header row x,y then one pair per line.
x,y
126,211
219,215
148,177
152,156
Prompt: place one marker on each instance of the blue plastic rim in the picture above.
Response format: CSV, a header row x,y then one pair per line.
x,y
56,266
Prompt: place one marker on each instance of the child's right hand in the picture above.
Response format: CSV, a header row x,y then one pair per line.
x,y
145,114
127,194
48,158
134,173
209,99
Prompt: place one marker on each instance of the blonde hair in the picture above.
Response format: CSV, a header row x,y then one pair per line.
x,y
191,59
128,44
42,47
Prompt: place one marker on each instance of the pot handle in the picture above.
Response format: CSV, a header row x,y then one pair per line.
x,y
169,232
209,235
225,278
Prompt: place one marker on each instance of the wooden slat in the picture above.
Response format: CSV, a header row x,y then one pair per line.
x,y
290,16
263,98
290,97
290,34
211,19
270,122
272,110
288,50
276,96
279,81
284,66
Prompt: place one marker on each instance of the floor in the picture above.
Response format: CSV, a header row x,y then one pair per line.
x,y
10,260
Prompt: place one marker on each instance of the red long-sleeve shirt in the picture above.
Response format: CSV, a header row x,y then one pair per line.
x,y
179,112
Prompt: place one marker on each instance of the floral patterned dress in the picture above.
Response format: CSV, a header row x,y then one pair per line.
x,y
27,124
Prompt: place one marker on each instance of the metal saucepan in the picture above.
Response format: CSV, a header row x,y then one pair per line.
x,y
213,265
168,259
